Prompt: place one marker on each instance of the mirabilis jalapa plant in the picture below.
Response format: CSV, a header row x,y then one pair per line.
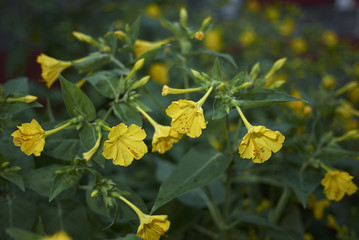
x,y
125,141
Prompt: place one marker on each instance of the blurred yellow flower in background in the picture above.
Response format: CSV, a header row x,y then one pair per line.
x,y
30,137
153,10
246,38
330,38
51,68
328,81
287,27
124,144
272,13
159,73
213,40
59,235
299,45
337,184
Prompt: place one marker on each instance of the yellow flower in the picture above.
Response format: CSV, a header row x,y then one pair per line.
x,y
153,11
330,38
187,116
59,235
299,45
142,46
337,184
353,94
30,137
51,68
253,5
164,138
272,13
308,236
151,227
199,35
246,38
259,142
213,40
124,144
286,28
328,81
318,208
159,73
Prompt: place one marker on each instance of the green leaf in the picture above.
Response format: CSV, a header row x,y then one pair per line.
x,y
189,174
175,28
211,52
216,70
92,62
40,179
63,147
76,101
111,41
127,114
303,183
62,182
263,97
135,29
8,109
14,178
130,236
106,82
20,234
17,85
220,109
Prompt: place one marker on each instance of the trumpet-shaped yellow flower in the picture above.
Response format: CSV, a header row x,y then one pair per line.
x,y
164,138
125,144
142,46
30,137
59,235
259,143
337,184
51,68
187,117
159,73
151,227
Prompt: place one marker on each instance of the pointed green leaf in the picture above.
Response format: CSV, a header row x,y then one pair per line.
x,y
135,29
216,70
92,62
76,101
14,178
111,41
106,82
127,114
263,97
62,182
20,234
211,52
303,183
17,85
220,109
247,217
40,179
175,28
189,174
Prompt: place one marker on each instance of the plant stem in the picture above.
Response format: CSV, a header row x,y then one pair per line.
x,y
118,63
227,202
281,204
9,200
59,212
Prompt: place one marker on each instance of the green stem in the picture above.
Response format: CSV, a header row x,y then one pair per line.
x,y
244,119
229,175
203,99
153,122
281,204
108,113
9,200
59,212
119,64
212,207
55,130
134,208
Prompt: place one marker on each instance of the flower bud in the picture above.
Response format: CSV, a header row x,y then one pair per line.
x,y
183,17
205,23
199,35
197,75
94,193
85,38
5,164
140,82
25,99
347,87
120,35
276,66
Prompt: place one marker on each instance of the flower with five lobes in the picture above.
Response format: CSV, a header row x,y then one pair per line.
x,y
337,184
187,116
151,227
124,144
259,142
59,235
164,136
31,137
51,68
